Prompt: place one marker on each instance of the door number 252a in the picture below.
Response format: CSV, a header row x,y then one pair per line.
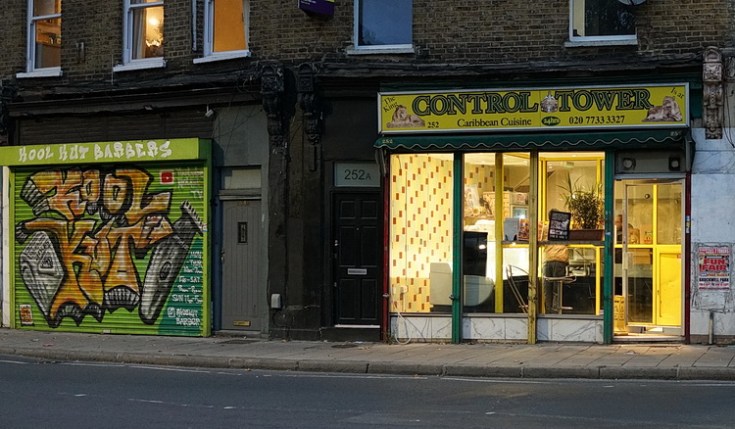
x,y
357,174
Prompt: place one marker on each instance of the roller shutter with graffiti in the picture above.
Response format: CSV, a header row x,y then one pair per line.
x,y
116,249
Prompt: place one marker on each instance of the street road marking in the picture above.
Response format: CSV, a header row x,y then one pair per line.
x,y
16,362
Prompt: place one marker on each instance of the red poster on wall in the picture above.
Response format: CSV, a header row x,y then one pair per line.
x,y
713,264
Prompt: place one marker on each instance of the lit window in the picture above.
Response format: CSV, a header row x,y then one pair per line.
x,y
226,28
44,35
143,31
383,24
601,20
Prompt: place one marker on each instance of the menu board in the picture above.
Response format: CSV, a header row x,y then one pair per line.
x,y
559,225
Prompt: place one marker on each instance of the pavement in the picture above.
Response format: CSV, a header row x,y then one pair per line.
x,y
543,360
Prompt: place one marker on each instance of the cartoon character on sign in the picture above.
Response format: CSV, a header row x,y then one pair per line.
x,y
549,104
89,228
668,111
403,118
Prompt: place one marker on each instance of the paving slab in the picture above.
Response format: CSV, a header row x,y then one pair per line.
x,y
544,360
716,356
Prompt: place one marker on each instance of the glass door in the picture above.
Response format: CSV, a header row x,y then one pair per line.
x,y
637,255
648,251
668,256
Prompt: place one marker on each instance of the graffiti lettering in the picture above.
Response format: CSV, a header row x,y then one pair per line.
x,y
189,312
28,153
184,299
127,150
90,229
191,270
102,152
184,316
191,179
74,152
188,321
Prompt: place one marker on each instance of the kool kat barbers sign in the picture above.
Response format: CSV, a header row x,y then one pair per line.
x,y
644,106
103,152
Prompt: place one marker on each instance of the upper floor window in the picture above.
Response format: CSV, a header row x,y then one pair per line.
x,y
44,38
383,24
601,20
143,33
225,29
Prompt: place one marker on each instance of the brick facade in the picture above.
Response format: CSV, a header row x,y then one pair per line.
x,y
494,33
455,43
485,40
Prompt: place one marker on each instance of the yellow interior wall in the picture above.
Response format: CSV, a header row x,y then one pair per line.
x,y
420,226
229,26
578,16
667,308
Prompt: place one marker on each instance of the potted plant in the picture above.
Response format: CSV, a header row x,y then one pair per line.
x,y
586,206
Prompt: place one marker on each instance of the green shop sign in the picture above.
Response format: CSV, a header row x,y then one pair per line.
x,y
103,152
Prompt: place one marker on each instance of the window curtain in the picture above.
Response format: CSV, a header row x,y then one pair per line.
x,y
138,34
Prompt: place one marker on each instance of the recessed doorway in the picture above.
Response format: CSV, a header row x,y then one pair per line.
x,y
649,286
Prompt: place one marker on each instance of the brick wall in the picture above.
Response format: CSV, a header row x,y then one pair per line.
x,y
98,25
492,31
12,38
489,33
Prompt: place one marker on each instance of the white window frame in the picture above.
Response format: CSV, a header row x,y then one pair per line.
x,y
376,49
31,69
617,39
208,45
128,63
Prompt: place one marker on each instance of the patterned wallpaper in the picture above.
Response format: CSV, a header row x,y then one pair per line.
x,y
421,226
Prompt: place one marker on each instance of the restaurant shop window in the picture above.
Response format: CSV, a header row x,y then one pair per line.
x,y
495,265
570,271
421,233
496,219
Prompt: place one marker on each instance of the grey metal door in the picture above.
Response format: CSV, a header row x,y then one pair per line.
x,y
357,258
243,284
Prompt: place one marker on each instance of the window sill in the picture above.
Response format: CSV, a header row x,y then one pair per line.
x,y
578,43
150,63
383,50
48,72
222,56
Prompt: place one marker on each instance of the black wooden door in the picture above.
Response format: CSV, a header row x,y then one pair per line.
x,y
357,255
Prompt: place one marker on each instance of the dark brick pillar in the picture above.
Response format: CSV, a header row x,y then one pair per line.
x,y
273,92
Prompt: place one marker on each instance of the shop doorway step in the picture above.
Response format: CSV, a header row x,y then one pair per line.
x,y
648,333
368,333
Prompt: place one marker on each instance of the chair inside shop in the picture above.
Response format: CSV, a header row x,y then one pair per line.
x,y
477,289
515,276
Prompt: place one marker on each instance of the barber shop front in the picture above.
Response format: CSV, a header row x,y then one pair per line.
x,y
537,214
108,237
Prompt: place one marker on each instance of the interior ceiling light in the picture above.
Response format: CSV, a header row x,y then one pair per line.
x,y
632,2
